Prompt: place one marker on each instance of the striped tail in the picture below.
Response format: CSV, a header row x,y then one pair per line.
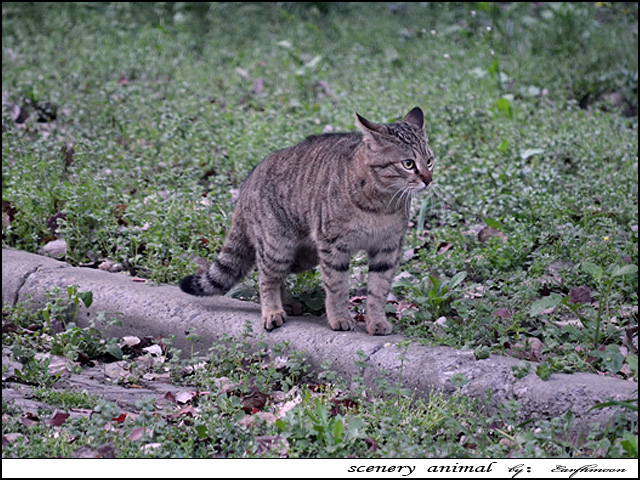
x,y
236,259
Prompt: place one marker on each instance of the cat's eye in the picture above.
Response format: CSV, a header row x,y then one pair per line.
x,y
430,162
409,164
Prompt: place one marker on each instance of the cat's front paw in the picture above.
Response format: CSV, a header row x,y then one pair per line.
x,y
273,319
379,327
345,323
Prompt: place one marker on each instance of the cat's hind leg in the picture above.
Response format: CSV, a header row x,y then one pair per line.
x,y
274,264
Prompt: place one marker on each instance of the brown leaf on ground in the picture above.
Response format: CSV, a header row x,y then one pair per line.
x,y
531,350
108,450
254,402
341,405
120,418
58,419
139,433
85,452
581,295
185,397
8,212
630,339
12,437
186,410
372,443
68,149
555,267
490,232
29,419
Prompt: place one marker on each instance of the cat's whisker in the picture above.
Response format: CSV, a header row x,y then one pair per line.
x,y
402,197
398,191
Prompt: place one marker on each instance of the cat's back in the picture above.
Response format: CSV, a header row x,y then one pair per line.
x,y
315,156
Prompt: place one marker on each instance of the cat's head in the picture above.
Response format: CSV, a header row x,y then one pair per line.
x,y
397,153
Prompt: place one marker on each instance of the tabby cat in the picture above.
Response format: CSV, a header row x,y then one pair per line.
x,y
319,202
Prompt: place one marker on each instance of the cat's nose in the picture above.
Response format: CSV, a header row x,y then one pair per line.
x,y
426,177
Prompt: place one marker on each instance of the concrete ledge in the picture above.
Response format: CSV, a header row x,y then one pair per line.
x,y
166,311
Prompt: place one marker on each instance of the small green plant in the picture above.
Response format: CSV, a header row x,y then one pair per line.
x,y
521,370
66,399
606,280
58,318
398,390
35,368
482,352
628,441
433,296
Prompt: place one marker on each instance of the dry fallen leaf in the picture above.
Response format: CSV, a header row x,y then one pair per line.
x,y
85,452
12,437
29,419
581,295
153,350
490,232
139,433
130,341
286,406
67,153
150,446
8,212
107,450
185,397
58,419
254,402
120,418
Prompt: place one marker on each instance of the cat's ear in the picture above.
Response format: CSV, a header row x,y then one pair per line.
x,y
415,117
365,126
374,136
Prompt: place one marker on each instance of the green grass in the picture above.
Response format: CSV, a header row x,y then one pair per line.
x,y
143,119
253,401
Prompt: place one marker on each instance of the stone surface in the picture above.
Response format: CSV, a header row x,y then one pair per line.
x,y
149,310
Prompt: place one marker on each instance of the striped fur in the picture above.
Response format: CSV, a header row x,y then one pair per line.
x,y
319,202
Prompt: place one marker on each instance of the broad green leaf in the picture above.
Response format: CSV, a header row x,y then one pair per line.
x,y
625,270
632,361
630,444
114,351
356,428
457,279
482,352
338,430
281,425
494,68
592,269
86,297
553,300
505,106
492,222
612,359
202,432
